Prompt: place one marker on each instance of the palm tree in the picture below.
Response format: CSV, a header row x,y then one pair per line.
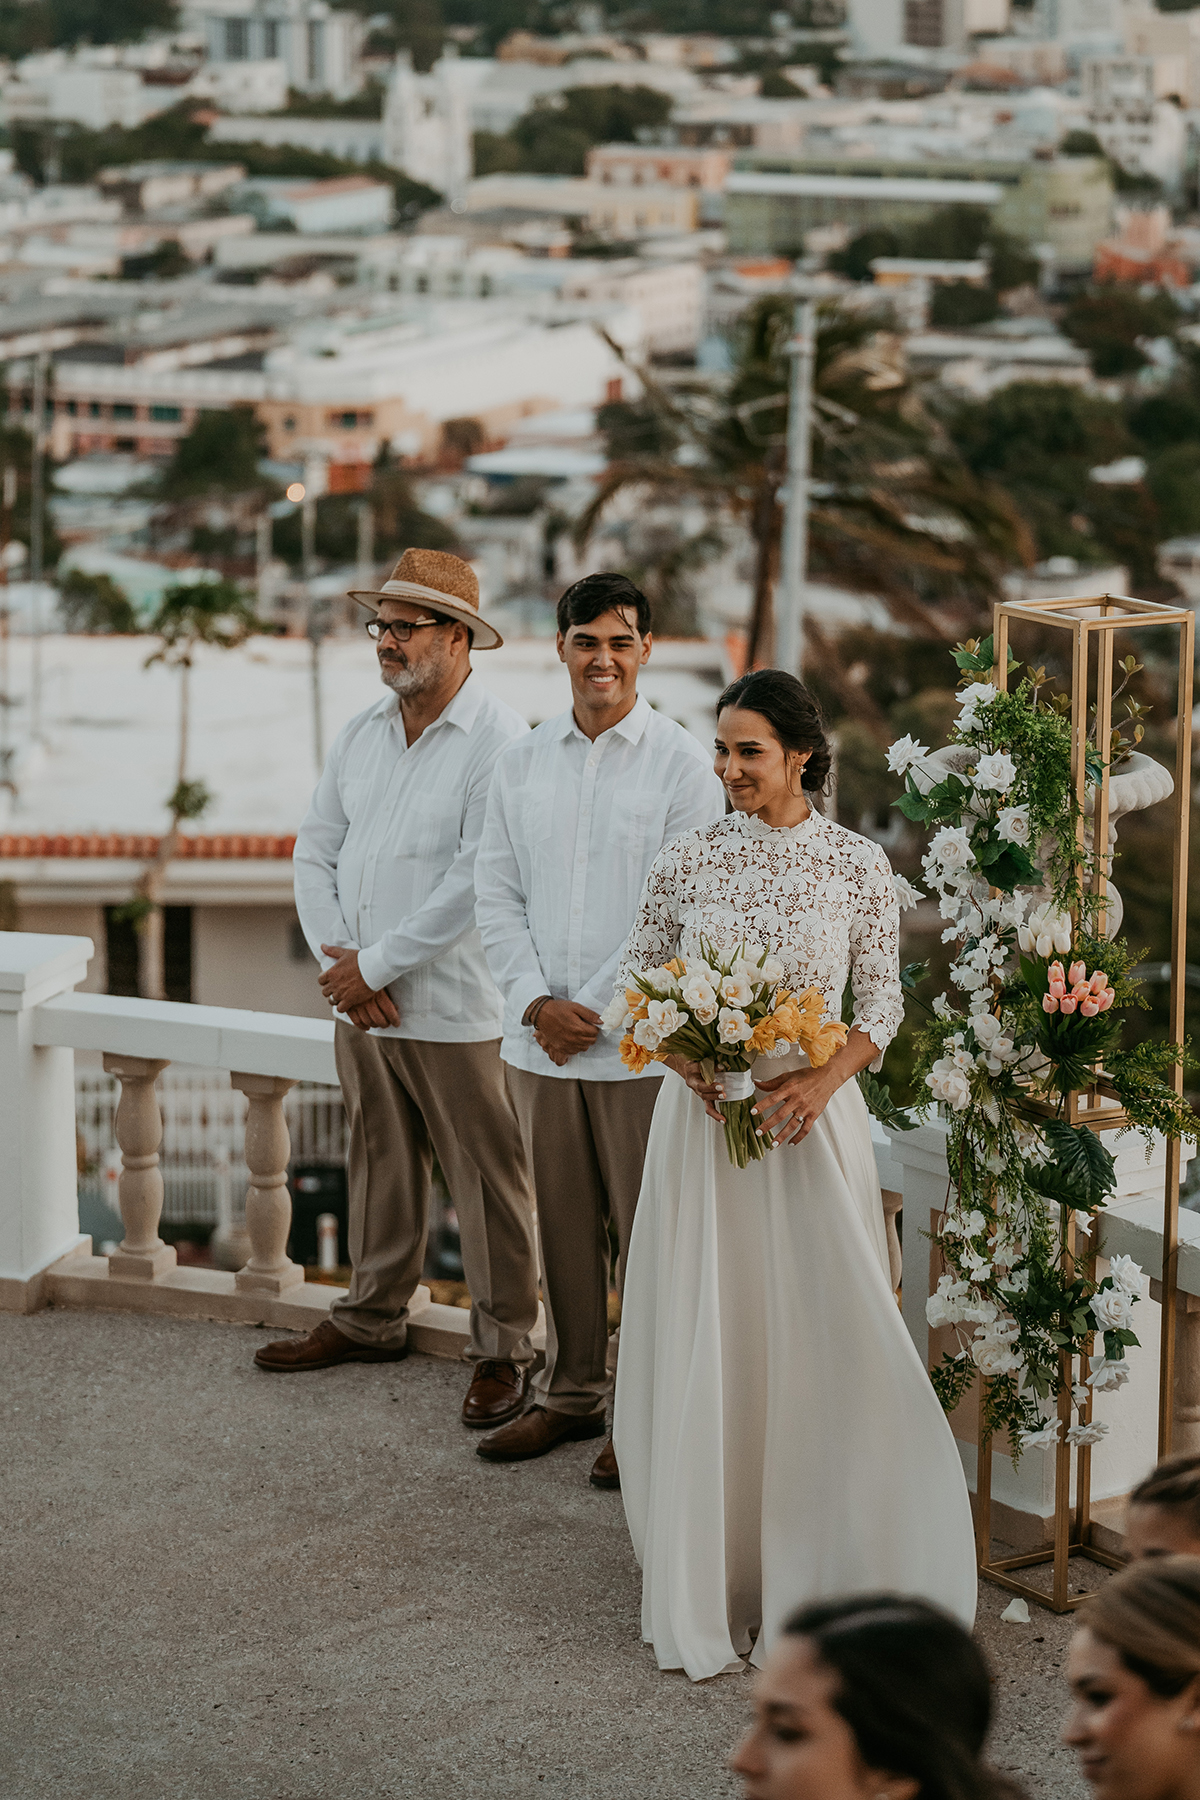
x,y
896,511
202,612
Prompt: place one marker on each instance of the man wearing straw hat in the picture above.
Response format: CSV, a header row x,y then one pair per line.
x,y
385,889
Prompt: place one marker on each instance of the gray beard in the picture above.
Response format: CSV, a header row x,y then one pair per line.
x,y
410,681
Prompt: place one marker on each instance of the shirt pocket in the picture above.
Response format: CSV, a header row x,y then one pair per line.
x,y
425,830
638,821
531,811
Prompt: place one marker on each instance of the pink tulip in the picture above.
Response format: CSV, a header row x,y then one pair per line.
x,y
1049,1003
1089,1008
1055,972
1067,1005
1077,972
1099,982
1058,989
1081,991
1105,1000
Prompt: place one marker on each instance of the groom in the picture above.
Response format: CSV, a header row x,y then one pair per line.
x,y
577,812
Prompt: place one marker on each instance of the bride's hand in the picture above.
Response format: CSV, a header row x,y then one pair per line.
x,y
793,1103
693,1074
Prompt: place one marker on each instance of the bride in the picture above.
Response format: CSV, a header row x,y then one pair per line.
x,y
778,1438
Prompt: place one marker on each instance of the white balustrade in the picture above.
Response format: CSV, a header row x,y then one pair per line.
x,y
268,1203
142,1255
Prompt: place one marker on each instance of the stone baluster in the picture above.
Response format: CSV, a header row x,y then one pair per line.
x,y
268,1204
142,1256
892,1203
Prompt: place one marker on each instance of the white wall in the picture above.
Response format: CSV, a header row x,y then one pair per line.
x,y
243,956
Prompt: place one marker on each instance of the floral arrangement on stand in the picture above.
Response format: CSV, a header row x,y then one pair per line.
x,y
1036,1017
722,1014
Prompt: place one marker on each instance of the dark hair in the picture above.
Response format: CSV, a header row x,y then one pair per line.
x,y
792,714
1175,1485
585,600
912,1686
1150,1615
445,619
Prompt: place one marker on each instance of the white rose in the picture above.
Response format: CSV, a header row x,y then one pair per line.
x,y
663,979
665,1017
986,1027
700,995
951,847
733,1027
735,990
772,970
1107,1374
904,753
979,693
616,1013
1013,827
994,1359
1082,1435
1112,1309
995,773
1037,1440
906,893
1126,1274
645,1035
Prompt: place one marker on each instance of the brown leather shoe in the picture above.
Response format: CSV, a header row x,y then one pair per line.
x,y
537,1431
496,1394
605,1473
320,1348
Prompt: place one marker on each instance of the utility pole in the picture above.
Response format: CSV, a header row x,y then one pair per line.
x,y
37,543
8,499
789,628
262,563
308,567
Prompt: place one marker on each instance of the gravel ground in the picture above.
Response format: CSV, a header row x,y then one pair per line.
x,y
222,1585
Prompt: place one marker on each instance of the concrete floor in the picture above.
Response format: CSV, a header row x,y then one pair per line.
x,y
219,1584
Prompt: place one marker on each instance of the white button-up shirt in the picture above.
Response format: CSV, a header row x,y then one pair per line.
x,y
385,860
572,828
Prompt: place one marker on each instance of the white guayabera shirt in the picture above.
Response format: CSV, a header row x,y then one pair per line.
x,y
572,829
385,860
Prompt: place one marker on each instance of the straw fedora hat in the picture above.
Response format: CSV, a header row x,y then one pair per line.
x,y
444,583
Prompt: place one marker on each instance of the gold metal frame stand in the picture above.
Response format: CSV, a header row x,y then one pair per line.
x,y
1098,619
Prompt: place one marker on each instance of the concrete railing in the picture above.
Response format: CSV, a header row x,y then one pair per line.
x,y
43,1256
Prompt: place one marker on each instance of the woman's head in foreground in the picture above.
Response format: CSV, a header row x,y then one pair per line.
x,y
871,1698
1164,1510
1134,1670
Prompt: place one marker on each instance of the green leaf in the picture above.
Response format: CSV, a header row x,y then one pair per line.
x,y
879,1101
914,807
912,974
1082,1172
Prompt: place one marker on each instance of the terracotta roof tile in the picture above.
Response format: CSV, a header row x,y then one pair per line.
x,y
236,847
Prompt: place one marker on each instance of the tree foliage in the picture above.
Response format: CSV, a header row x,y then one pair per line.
x,y
1109,322
30,25
95,606
555,135
220,454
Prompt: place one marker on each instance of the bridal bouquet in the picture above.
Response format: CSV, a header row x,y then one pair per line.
x,y
722,1014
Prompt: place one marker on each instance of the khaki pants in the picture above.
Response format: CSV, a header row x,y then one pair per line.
x,y
404,1099
585,1142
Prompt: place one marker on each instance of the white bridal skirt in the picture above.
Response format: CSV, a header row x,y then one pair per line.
x,y
778,1437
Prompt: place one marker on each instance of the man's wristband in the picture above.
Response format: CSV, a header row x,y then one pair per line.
x,y
531,1015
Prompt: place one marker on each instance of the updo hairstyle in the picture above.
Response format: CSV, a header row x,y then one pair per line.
x,y
792,714
1150,1615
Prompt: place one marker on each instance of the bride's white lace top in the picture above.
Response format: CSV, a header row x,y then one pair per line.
x,y
821,898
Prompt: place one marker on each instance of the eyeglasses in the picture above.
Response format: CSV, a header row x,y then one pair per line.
x,y
401,629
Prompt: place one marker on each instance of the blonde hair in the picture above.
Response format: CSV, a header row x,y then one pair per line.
x,y
1150,1615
